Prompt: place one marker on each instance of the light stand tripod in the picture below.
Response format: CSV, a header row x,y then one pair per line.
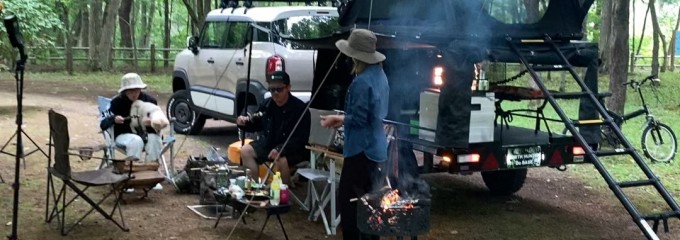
x,y
12,25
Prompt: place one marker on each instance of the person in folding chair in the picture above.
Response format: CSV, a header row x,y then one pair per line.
x,y
136,134
145,137
278,116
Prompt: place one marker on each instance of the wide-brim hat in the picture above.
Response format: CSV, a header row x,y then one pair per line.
x,y
361,45
131,81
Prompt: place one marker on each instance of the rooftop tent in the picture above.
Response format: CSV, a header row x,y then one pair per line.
x,y
467,18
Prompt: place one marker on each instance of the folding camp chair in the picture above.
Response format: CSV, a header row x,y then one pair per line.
x,y
79,182
139,169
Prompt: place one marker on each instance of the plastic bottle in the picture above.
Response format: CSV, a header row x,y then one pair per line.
x,y
284,195
275,190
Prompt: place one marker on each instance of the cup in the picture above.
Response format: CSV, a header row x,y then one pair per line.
x,y
284,195
241,182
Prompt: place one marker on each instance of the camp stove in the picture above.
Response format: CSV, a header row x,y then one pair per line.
x,y
389,214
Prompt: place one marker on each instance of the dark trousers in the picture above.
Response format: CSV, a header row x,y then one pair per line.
x,y
358,176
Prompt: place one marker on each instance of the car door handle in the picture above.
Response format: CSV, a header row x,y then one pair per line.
x,y
239,62
211,61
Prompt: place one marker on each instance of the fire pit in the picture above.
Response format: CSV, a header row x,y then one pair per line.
x,y
390,214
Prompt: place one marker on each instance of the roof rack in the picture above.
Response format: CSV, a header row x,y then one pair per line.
x,y
249,3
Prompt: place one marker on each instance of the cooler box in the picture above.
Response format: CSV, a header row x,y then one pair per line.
x,y
481,117
234,151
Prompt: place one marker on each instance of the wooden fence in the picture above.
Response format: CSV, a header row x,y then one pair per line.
x,y
150,58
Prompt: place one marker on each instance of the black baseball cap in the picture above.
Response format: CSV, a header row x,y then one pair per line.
x,y
280,76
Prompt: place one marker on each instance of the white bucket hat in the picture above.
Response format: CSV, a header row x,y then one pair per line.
x,y
361,45
131,81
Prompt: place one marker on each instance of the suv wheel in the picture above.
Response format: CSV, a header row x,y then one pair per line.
x,y
504,182
187,121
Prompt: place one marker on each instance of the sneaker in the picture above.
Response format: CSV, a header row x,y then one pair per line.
x,y
158,187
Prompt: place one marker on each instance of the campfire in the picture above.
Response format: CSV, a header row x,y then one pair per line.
x,y
391,212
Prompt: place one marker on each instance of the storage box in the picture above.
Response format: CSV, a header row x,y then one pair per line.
x,y
321,136
481,117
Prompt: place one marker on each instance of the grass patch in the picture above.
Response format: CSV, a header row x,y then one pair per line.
x,y
157,82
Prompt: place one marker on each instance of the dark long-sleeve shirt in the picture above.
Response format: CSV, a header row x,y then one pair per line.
x,y
278,122
121,105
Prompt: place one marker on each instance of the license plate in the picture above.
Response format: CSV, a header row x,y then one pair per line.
x,y
524,157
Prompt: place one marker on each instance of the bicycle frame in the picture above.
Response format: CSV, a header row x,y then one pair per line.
x,y
644,110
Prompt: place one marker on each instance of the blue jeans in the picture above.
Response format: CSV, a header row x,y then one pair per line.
x,y
134,145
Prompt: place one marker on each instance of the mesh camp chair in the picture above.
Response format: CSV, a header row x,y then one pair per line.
x,y
145,178
78,182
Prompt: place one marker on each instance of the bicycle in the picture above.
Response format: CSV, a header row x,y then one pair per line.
x,y
663,144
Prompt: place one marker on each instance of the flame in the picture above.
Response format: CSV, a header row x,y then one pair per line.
x,y
393,200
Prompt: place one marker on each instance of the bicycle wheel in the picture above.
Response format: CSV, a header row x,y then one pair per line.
x,y
659,142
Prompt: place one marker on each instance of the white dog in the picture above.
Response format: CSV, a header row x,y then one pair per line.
x,y
141,111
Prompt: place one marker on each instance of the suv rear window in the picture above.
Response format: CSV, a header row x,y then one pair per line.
x,y
305,27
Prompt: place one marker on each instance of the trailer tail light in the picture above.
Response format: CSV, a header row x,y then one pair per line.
x,y
556,159
490,163
274,63
468,158
438,76
579,154
446,161
578,151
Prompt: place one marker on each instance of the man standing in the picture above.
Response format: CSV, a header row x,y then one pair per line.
x,y
280,113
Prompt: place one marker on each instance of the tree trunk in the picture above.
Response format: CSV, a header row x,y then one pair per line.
x,y
673,41
605,33
148,16
77,27
94,34
655,37
195,22
619,55
106,42
68,37
124,23
166,31
85,31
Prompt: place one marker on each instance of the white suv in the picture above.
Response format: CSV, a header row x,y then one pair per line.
x,y
210,76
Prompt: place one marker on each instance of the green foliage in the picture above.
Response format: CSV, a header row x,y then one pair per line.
x,y
37,22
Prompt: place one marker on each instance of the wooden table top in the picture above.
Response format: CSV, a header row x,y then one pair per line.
x,y
329,153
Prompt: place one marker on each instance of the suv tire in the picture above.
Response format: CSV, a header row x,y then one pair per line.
x,y
505,182
187,120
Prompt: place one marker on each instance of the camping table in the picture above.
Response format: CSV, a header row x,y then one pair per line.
x,y
332,221
240,205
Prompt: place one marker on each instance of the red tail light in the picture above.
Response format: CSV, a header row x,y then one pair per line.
x,y
274,63
491,163
577,151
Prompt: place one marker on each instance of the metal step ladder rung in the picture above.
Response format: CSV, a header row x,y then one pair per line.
x,y
569,95
638,183
550,68
615,152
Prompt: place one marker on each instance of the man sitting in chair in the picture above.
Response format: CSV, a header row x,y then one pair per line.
x,y
275,119
145,137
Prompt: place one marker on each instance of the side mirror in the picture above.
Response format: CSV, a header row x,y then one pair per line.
x,y
192,44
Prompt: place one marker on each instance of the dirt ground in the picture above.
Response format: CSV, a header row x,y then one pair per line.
x,y
552,204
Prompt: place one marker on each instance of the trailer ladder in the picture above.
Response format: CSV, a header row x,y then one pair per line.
x,y
592,154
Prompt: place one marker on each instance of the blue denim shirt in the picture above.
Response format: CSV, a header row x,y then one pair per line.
x,y
365,107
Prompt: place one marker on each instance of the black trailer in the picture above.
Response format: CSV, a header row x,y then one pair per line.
x,y
423,39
